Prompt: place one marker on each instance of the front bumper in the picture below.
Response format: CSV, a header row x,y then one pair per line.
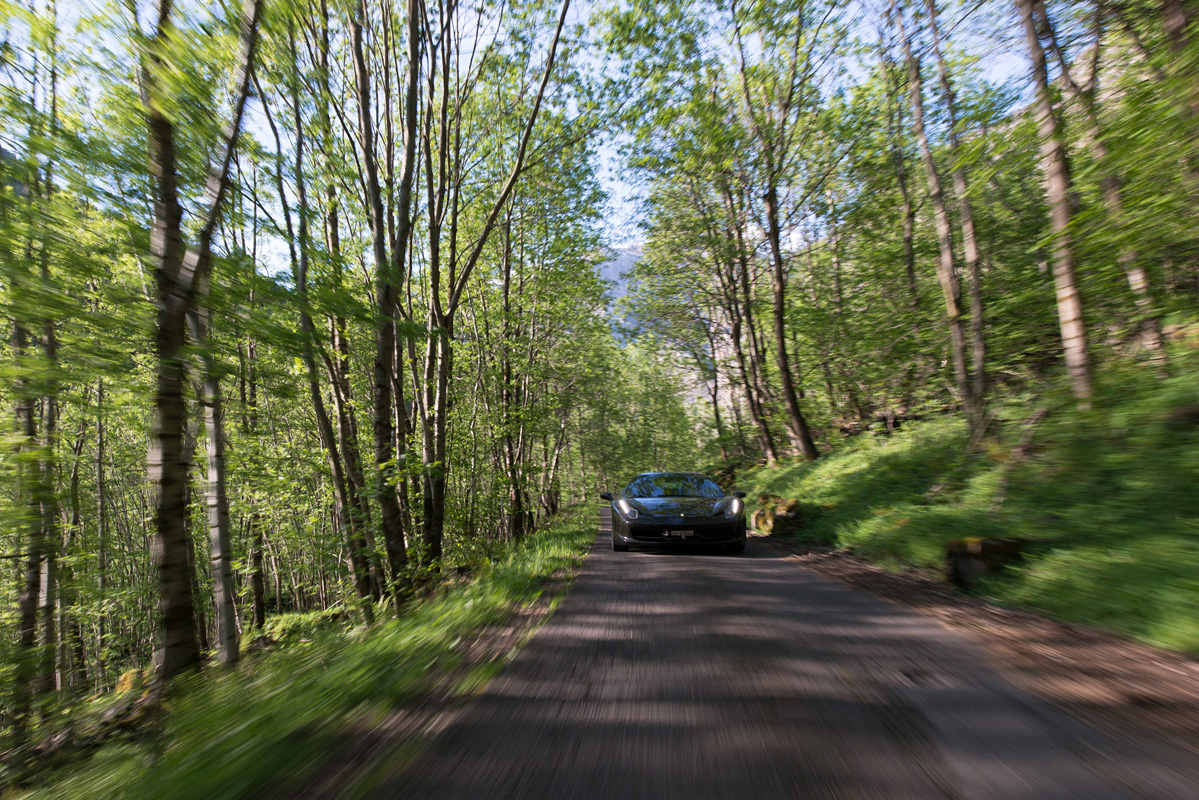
x,y
660,531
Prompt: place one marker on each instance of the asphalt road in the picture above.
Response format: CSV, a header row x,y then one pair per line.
x,y
698,675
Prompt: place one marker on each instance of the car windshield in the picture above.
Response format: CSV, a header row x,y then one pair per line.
x,y
672,484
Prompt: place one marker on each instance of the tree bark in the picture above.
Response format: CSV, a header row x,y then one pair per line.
x,y
101,532
797,425
248,390
714,397
48,504
1058,187
220,549
1113,194
508,399
73,670
387,270
177,270
899,163
976,401
25,675
741,308
946,268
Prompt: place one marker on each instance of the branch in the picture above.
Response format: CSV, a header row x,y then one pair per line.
x,y
510,183
196,261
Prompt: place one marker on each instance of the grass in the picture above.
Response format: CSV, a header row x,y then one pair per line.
x,y
234,734
1112,495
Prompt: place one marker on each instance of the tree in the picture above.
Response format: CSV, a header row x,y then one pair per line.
x,y
776,107
179,269
1057,175
947,274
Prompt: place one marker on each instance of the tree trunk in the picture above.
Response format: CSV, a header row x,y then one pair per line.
x,y
801,437
946,268
1058,183
216,498
46,496
101,533
741,309
714,397
176,274
899,162
249,421
257,573
73,675
765,438
976,401
1175,24
437,372
1113,196
512,463
386,298
25,675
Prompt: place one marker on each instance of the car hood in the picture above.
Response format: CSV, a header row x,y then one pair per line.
x,y
679,506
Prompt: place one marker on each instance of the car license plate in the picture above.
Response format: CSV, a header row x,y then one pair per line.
x,y
680,534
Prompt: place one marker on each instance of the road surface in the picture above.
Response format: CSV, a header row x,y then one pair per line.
x,y
700,675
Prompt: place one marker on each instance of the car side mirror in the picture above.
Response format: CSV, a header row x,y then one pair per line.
x,y
738,494
606,496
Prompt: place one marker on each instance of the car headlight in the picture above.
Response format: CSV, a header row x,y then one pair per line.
x,y
733,509
626,508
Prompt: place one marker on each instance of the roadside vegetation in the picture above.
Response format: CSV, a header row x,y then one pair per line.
x,y
1108,496
323,677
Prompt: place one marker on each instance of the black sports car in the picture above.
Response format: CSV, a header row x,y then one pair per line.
x,y
675,507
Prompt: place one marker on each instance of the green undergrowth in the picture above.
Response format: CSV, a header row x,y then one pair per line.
x,y
248,732
1110,495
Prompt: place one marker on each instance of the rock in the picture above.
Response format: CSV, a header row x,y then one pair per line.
x,y
972,558
779,515
788,518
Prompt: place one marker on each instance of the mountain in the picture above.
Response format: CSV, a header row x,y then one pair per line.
x,y
620,260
